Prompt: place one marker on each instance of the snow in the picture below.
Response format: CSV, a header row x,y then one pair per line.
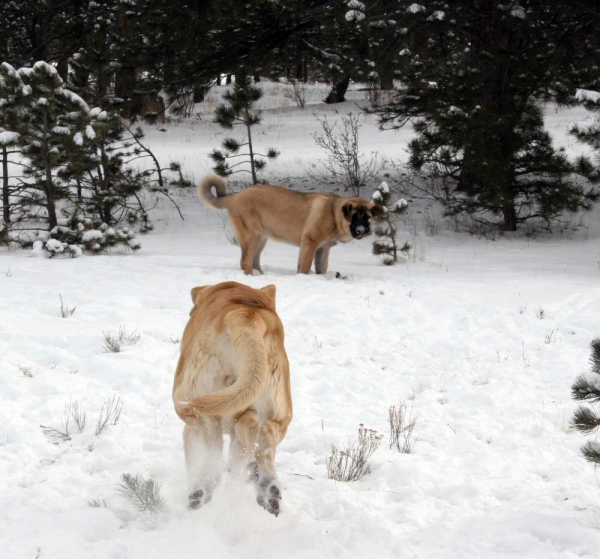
x,y
415,8
78,139
73,98
586,95
400,204
92,234
46,68
61,130
518,12
8,138
453,332
89,132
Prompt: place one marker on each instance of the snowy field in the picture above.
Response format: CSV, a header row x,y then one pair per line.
x,y
455,332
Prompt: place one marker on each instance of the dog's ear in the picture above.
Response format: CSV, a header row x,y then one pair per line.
x,y
196,291
348,210
377,211
270,291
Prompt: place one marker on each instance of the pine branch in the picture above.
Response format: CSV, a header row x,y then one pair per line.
x,y
595,357
583,389
585,420
591,452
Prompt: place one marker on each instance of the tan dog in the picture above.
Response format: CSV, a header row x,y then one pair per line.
x,y
314,222
233,377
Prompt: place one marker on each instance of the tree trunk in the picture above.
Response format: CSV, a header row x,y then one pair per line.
x,y
63,69
338,91
125,89
199,93
254,179
49,189
510,216
386,82
228,79
5,191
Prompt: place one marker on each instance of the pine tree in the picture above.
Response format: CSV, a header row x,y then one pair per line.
x,y
585,419
11,92
239,111
589,133
386,244
472,76
53,126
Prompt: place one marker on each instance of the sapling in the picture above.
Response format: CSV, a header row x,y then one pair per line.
x,y
239,111
585,419
386,244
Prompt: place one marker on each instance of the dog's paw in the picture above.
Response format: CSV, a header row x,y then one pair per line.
x,y
269,494
198,498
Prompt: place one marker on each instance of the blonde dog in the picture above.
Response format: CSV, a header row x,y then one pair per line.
x,y
233,377
313,222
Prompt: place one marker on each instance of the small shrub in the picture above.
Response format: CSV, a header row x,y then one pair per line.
x,y
402,425
143,493
78,414
26,370
345,164
540,313
63,434
109,414
550,336
300,93
113,341
73,411
65,311
351,463
97,503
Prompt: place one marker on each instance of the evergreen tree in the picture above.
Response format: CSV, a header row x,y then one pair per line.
x,y
585,419
386,244
589,133
239,111
472,76
11,92
53,127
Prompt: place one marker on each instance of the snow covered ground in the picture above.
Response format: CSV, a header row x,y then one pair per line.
x,y
454,332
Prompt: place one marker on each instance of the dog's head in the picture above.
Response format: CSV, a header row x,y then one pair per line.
x,y
359,213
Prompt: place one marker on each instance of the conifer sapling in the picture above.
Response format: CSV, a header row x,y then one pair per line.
x,y
238,110
386,244
585,419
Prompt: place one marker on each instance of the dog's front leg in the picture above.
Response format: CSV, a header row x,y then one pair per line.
x,y
322,258
308,249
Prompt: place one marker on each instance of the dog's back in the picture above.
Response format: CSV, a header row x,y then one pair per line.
x,y
231,345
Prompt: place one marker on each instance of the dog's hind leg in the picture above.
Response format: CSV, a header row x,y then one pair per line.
x,y
256,263
243,435
268,486
250,247
203,446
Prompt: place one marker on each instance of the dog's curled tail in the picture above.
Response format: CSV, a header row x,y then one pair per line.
x,y
205,192
246,331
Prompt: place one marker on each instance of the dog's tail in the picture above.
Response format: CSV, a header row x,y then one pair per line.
x,y
246,331
205,192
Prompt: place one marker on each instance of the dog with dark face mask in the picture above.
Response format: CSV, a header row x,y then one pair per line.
x,y
313,222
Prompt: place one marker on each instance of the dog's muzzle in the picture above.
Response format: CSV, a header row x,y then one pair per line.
x,y
361,231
